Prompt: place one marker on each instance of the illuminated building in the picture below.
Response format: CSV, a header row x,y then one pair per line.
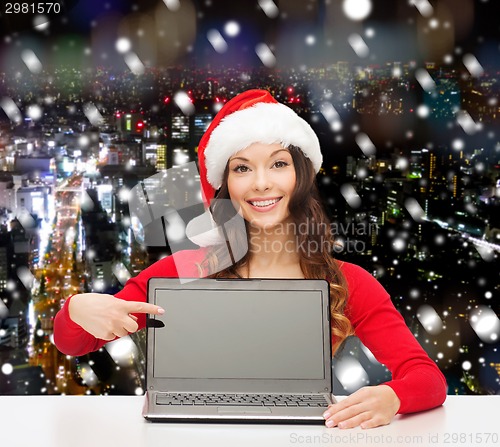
x,y
34,200
445,99
38,167
130,123
180,129
201,123
5,248
7,191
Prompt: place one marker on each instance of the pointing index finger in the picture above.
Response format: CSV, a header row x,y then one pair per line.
x,y
144,308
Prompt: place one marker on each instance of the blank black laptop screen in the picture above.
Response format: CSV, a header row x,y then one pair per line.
x,y
221,334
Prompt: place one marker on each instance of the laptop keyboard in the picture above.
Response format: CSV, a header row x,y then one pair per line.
x,y
272,400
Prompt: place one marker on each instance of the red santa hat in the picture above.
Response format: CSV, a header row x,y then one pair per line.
x,y
253,116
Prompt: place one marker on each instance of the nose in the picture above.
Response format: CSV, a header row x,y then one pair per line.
x,y
262,181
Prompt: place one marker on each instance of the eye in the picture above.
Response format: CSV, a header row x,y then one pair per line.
x,y
281,164
241,168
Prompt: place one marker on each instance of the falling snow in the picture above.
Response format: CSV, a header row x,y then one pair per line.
x,y
41,22
93,114
7,369
217,41
425,80
351,374
123,351
358,44
415,210
467,123
365,144
232,28
428,152
134,63
265,55
11,110
173,5
429,319
32,61
357,9
331,115
184,103
269,8
123,45
423,6
473,65
350,195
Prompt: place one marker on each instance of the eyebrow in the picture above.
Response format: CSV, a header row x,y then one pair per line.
x,y
270,156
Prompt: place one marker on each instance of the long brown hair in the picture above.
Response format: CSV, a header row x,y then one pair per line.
x,y
306,213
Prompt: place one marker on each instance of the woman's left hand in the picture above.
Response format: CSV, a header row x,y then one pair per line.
x,y
368,407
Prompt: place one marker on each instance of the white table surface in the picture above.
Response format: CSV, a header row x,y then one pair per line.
x,y
94,421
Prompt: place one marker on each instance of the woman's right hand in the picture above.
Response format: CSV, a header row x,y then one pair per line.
x,y
107,317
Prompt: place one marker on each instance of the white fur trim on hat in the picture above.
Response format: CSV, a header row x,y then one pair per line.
x,y
266,123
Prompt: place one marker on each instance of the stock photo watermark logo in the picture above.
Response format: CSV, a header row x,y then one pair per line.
x,y
364,438
167,210
319,237
351,237
36,15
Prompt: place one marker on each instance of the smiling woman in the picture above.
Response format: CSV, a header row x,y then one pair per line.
x,y
261,180
261,158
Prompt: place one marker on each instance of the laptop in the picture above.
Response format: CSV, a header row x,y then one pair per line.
x,y
238,350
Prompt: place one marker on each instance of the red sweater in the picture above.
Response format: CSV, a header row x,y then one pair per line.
x,y
416,379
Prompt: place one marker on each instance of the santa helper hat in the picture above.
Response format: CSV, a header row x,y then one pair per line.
x,y
253,116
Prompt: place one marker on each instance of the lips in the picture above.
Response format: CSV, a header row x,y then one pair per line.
x,y
264,204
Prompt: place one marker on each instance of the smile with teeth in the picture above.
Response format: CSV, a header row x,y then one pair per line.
x,y
263,203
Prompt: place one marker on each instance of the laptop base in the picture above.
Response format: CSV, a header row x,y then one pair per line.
x,y
233,414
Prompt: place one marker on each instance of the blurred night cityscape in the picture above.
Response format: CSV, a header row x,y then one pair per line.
x,y
411,173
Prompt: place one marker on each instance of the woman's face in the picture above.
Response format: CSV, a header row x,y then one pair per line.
x,y
260,182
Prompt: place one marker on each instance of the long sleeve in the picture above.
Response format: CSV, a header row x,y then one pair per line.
x,y
72,339
416,379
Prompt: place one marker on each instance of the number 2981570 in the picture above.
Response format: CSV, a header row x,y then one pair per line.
x,y
32,8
